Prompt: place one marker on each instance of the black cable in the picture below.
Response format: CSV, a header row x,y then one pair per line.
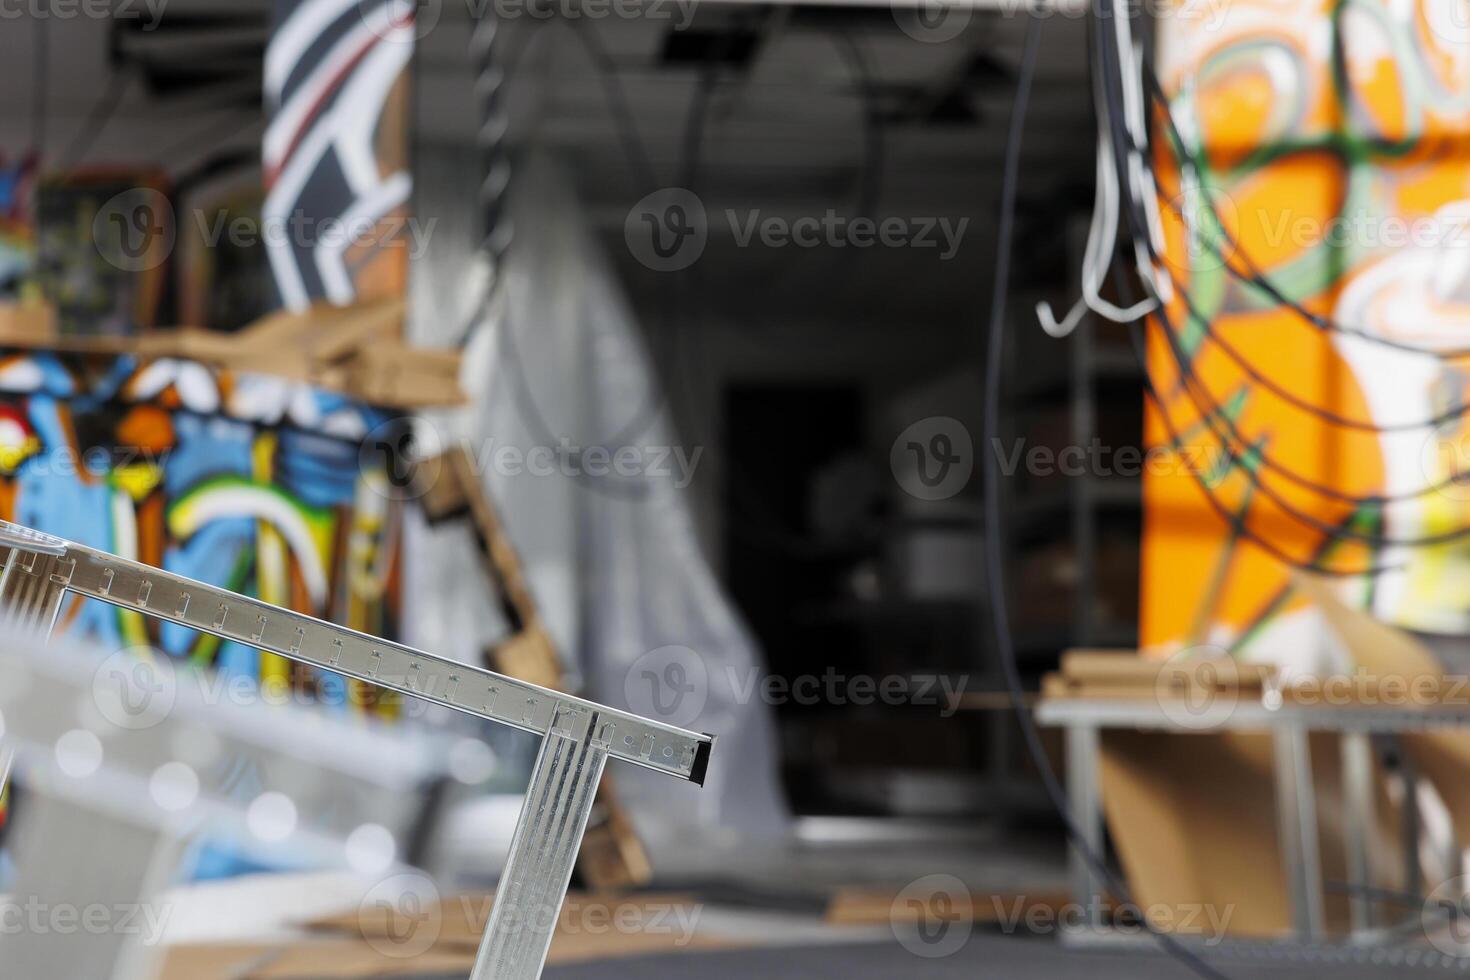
x,y
995,565
492,137
96,122
645,179
208,136
618,103
1333,418
40,82
642,170
1326,415
1110,71
1215,411
1255,276
1211,412
871,174
1240,461
1201,395
1258,278
494,87
477,316
1333,533
1298,402
870,187
1211,406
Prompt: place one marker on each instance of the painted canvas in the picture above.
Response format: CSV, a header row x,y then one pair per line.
x,y
1331,139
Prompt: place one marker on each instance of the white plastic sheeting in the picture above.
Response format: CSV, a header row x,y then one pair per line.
x,y
560,364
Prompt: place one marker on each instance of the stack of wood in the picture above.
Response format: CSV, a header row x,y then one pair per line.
x,y
356,350
1190,812
1124,675
442,938
612,856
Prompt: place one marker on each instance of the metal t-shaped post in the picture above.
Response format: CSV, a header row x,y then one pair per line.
x,y
578,737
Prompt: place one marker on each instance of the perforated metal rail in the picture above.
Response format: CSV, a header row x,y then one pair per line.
x,y
578,735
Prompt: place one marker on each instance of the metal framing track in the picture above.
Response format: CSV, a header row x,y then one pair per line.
x,y
578,737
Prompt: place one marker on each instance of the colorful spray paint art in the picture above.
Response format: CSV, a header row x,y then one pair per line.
x,y
1332,142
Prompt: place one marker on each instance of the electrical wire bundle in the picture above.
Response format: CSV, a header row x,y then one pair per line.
x,y
1125,88
995,576
497,67
1128,190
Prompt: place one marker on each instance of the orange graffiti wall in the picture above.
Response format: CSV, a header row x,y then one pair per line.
x,y
1333,149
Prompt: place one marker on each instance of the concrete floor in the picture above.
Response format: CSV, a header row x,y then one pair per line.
x,y
985,956
827,854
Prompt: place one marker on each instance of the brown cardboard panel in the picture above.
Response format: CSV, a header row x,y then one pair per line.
x,y
442,496
1193,818
349,961
612,858
34,320
1376,646
1442,757
357,350
1127,668
1123,674
213,962
377,944
529,656
591,926
336,960
1108,667
877,906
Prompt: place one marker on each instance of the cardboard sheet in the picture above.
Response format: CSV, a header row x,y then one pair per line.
x,y
1384,651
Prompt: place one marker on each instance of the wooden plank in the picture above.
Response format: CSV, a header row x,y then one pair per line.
x,y
612,857
357,350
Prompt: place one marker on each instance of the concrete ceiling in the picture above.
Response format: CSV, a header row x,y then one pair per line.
x,y
784,129
788,118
